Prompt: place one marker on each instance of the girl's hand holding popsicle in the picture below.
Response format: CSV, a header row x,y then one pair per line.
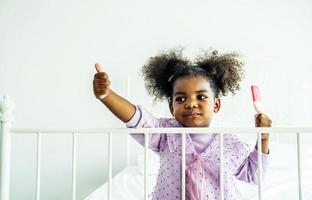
x,y
261,119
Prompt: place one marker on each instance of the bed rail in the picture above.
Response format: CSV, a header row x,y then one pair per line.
x,y
6,118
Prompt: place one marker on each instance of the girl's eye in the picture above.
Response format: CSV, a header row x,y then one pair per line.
x,y
201,97
180,99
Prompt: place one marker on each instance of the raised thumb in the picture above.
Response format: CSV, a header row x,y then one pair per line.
x,y
98,67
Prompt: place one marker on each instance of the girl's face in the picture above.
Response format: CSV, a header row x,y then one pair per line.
x,y
193,102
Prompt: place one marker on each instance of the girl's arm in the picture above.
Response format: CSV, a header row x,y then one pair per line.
x,y
262,120
264,143
247,169
119,106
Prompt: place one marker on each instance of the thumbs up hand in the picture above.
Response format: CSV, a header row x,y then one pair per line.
x,y
100,83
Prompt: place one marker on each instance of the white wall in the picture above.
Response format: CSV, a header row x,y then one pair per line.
x,y
48,48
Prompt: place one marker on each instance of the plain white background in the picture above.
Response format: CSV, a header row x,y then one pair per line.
x,y
47,55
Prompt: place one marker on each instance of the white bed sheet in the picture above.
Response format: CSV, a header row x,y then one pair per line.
x,y
279,184
126,185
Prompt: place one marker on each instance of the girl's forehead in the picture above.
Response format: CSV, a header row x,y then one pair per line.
x,y
192,84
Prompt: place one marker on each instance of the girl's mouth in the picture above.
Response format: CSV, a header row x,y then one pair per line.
x,y
191,113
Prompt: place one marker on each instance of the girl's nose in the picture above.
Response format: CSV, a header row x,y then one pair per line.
x,y
191,104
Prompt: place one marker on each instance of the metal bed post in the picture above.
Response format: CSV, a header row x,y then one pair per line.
x,y
259,166
299,166
128,135
74,164
110,172
6,118
145,166
221,167
38,176
183,166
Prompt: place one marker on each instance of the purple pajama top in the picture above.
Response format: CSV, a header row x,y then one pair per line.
x,y
202,161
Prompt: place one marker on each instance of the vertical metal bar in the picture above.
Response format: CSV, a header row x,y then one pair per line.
x,y
38,177
6,117
110,163
145,166
128,149
5,162
74,159
221,167
183,166
128,135
299,166
259,166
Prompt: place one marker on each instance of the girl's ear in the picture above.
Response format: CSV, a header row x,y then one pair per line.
x,y
217,105
171,108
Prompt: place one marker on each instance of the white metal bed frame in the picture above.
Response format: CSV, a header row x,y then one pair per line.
x,y
6,118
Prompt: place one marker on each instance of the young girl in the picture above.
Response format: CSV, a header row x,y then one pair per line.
x,y
193,91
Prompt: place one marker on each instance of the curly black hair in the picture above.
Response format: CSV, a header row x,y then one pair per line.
x,y
223,71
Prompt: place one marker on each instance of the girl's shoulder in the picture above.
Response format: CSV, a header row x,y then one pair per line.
x,y
232,141
230,137
169,122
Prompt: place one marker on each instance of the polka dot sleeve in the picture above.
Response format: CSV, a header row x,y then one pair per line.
x,y
143,119
247,171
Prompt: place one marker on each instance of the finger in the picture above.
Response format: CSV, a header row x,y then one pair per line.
x,y
262,123
260,115
101,81
258,120
100,91
263,119
101,85
256,116
101,75
98,67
